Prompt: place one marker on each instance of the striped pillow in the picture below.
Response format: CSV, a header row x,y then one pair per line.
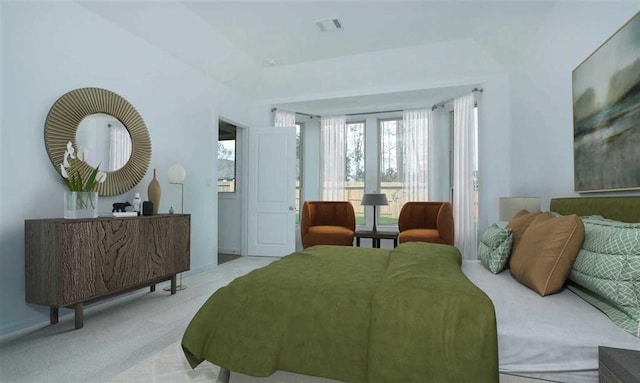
x,y
495,247
608,270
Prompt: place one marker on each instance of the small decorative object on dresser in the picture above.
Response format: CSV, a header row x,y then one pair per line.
x,y
120,206
80,204
618,365
154,192
136,203
71,262
147,208
81,201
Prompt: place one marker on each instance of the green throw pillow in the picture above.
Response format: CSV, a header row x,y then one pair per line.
x,y
495,247
608,270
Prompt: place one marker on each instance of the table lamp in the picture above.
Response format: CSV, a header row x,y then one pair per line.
x,y
374,199
509,206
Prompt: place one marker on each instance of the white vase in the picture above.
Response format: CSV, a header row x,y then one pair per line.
x,y
80,204
136,204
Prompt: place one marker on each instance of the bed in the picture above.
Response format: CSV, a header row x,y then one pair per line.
x,y
552,338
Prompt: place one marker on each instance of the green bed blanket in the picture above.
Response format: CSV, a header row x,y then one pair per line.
x,y
354,315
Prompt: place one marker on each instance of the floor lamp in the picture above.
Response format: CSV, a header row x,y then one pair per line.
x,y
177,174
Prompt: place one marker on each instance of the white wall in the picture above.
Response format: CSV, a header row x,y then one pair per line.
x,y
541,106
49,48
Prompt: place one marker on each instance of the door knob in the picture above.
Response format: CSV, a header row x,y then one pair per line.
x,y
292,208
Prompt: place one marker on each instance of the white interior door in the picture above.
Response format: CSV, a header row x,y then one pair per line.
x,y
271,207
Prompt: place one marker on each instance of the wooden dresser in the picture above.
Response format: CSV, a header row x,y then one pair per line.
x,y
70,262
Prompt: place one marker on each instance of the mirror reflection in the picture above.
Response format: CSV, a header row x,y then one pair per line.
x,y
107,140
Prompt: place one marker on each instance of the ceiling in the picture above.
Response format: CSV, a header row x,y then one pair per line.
x,y
248,38
284,32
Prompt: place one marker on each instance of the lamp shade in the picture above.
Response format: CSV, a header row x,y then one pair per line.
x,y
177,174
374,199
509,206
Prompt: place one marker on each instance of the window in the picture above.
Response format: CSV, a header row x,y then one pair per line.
x,y
226,158
354,167
385,153
391,169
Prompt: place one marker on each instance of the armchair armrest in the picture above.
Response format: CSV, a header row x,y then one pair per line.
x,y
305,219
350,219
446,227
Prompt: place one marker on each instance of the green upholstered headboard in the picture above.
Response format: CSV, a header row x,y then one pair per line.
x,y
625,209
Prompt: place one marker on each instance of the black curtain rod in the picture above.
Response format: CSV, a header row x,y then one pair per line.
x,y
434,107
380,112
445,102
300,113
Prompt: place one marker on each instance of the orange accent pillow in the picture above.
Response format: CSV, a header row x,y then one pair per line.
x,y
547,251
519,224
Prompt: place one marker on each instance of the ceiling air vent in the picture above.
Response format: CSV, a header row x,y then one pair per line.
x,y
329,25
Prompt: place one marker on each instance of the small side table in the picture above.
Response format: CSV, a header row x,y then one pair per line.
x,y
376,237
618,365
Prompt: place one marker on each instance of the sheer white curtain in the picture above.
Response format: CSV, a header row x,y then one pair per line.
x,y
439,144
332,146
284,118
119,146
464,144
415,144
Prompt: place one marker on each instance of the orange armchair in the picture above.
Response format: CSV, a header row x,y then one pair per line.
x,y
327,223
426,222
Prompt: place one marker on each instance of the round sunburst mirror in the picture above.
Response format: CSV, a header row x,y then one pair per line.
x,y
113,131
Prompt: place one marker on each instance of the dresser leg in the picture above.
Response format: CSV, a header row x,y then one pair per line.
x,y
78,315
53,315
152,288
173,284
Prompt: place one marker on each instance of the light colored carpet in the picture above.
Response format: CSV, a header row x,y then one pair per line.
x,y
170,366
133,338
117,334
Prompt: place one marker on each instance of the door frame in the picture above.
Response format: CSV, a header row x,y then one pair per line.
x,y
241,188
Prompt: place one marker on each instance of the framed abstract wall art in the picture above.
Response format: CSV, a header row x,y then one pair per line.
x,y
606,114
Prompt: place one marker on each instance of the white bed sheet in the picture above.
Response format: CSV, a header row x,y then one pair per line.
x,y
554,337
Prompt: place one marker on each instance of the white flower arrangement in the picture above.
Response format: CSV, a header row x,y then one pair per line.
x,y
73,178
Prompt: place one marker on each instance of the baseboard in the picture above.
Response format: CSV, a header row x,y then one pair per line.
x,y
229,250
19,329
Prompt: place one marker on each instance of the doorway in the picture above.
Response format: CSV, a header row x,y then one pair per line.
x,y
229,190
